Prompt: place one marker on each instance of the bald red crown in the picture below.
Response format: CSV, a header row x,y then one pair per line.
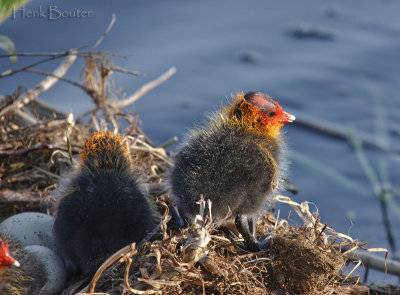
x,y
261,101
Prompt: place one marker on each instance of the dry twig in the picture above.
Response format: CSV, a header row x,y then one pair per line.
x,y
42,86
145,88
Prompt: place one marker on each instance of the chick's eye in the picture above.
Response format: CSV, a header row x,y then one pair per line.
x,y
271,114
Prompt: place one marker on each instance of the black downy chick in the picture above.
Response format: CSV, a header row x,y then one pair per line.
x,y
236,162
103,209
20,272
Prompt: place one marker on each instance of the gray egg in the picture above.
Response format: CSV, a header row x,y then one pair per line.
x,y
30,228
54,268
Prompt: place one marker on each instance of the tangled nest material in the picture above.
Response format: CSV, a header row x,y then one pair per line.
x,y
205,259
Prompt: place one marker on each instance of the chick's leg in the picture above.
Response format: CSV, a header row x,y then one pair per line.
x,y
252,225
242,224
177,216
246,226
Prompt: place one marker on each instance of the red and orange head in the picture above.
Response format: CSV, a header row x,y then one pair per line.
x,y
259,113
6,260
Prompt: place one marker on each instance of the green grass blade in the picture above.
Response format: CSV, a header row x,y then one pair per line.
x,y
7,7
363,160
329,173
8,46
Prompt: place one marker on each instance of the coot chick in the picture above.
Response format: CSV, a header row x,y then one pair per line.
x,y
236,161
102,209
23,277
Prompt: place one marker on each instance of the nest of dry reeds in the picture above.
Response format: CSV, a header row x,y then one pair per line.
x,y
206,259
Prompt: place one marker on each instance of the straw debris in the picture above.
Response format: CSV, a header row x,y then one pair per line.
x,y
205,259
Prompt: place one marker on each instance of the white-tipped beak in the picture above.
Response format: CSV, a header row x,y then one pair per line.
x,y
16,264
291,118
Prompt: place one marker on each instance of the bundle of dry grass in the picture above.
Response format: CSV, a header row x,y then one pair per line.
x,y
34,155
205,259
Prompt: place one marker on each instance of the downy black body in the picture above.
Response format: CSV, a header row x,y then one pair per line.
x,y
103,210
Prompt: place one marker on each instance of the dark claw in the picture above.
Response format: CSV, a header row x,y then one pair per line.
x,y
265,242
255,246
180,223
246,226
250,246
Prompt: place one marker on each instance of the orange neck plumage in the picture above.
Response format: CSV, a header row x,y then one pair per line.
x,y
103,142
243,113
